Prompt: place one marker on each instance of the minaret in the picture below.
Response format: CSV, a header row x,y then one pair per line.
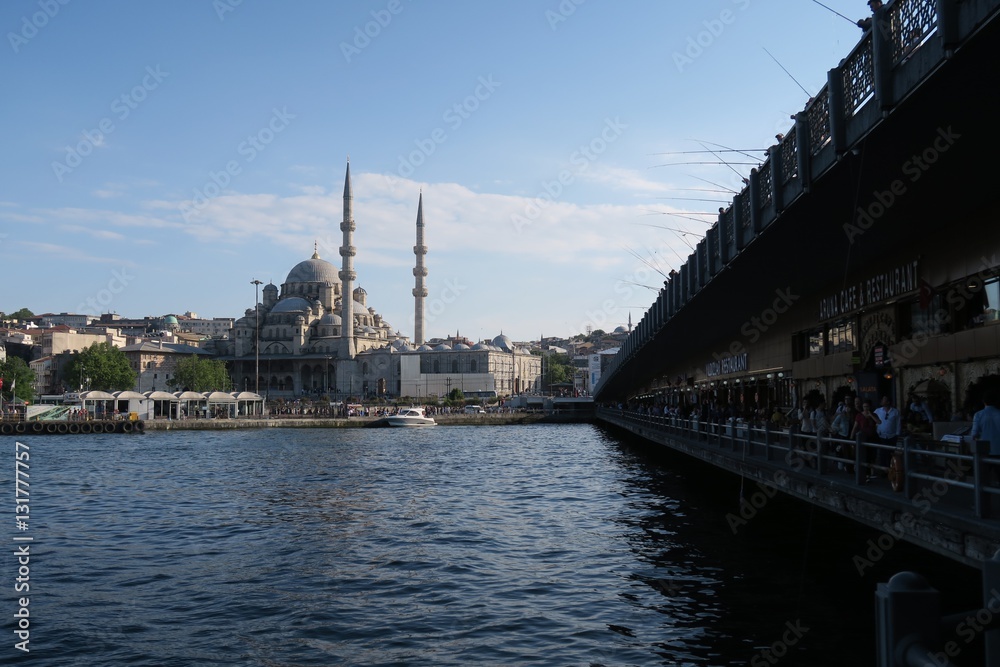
x,y
347,275
419,273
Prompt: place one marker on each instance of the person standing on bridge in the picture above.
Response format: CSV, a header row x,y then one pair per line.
x,y
986,424
888,429
866,423
986,427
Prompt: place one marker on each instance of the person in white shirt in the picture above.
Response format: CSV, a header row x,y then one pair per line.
x,y
888,429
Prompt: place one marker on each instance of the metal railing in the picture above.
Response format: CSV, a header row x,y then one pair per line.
x,y
918,471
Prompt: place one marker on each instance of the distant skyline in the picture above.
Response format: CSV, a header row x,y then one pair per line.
x,y
162,155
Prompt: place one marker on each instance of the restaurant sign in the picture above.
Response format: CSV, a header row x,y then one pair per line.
x,y
876,289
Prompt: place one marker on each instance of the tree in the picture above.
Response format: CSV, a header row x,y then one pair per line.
x,y
22,314
456,396
196,374
104,364
15,371
558,369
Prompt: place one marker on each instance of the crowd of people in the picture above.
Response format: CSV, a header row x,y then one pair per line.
x,y
849,419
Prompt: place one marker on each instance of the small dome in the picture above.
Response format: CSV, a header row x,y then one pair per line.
x,y
620,330
425,348
443,347
504,343
330,319
481,346
313,271
291,304
462,346
170,319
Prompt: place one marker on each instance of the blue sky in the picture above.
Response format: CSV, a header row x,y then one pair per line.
x,y
160,155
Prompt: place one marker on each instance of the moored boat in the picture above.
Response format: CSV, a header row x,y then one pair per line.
x,y
410,417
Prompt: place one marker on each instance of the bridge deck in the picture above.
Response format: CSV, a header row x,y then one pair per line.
x,y
943,504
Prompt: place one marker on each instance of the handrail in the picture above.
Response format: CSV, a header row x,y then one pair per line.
x,y
817,452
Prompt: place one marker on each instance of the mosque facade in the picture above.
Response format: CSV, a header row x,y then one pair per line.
x,y
295,343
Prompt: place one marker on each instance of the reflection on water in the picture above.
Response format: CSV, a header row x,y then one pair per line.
x,y
528,545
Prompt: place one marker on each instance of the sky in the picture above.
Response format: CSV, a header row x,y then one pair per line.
x,y
161,155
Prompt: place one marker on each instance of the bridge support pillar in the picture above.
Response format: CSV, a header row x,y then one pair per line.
x,y
908,618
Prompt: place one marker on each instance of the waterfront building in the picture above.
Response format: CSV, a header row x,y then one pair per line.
x,y
484,369
155,362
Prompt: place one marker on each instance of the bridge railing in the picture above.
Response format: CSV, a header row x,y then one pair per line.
x,y
924,475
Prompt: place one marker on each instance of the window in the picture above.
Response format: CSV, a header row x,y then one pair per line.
x,y
816,343
928,321
840,337
991,309
806,344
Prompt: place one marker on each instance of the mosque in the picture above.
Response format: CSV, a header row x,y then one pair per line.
x,y
295,342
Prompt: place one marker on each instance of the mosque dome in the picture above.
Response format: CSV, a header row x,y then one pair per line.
x,y
504,343
291,304
443,347
313,270
330,319
462,346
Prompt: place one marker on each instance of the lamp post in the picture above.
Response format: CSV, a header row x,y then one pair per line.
x,y
256,334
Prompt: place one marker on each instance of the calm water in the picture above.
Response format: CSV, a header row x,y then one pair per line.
x,y
521,545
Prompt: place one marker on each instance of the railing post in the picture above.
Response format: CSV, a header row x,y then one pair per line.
x,y
859,455
882,57
819,455
908,621
908,462
767,440
980,449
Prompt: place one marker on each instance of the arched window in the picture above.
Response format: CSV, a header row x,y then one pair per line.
x,y
454,365
472,366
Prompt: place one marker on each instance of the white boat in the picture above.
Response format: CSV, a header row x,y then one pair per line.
x,y
411,417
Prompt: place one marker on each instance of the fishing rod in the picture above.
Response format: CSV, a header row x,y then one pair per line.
x,y
745,151
789,73
727,148
720,161
835,12
695,190
644,261
724,188
731,166
714,201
